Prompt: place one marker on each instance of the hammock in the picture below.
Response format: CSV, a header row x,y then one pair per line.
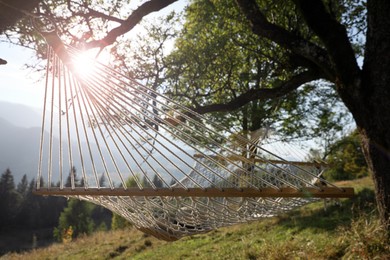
x,y
167,169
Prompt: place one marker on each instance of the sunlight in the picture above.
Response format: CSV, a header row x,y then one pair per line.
x,y
84,64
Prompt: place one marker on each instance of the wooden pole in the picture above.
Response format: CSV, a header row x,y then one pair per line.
x,y
323,192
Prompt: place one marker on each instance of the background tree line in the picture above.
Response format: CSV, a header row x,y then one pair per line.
x,y
21,209
69,218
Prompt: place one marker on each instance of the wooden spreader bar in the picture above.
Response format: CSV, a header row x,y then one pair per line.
x,y
262,161
323,192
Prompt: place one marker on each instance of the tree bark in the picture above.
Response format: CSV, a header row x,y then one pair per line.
x,y
261,94
365,92
373,119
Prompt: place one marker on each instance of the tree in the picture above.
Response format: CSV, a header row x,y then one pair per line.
x,y
346,159
76,217
212,74
117,221
328,52
10,14
102,180
22,187
363,90
157,182
9,199
31,208
333,35
206,70
24,192
72,179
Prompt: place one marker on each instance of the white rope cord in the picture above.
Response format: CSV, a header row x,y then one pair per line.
x,y
190,119
153,120
49,58
165,138
95,138
103,122
102,114
118,127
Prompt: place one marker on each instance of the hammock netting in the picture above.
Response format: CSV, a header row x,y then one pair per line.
x,y
155,162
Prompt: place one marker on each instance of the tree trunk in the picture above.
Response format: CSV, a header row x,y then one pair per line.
x,y
376,150
371,103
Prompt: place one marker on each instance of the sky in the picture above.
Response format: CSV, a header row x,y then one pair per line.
x,y
18,84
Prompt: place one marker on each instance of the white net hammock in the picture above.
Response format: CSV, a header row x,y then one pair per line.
x,y
166,169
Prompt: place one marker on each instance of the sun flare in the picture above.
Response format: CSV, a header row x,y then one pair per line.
x,y
84,64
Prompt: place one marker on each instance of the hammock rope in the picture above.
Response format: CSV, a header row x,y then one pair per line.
x,y
170,171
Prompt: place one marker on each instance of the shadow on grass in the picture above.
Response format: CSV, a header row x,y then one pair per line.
x,y
333,216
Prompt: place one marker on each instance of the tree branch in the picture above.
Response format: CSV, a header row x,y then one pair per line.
x,y
298,45
143,10
260,94
12,11
335,38
97,14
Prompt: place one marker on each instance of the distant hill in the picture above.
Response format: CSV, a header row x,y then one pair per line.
x,y
20,115
18,149
19,143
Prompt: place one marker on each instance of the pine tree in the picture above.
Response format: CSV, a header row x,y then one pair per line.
x,y
23,212
102,180
9,200
157,182
72,178
22,187
31,210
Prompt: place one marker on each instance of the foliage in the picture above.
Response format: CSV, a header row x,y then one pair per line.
x,y
10,14
24,213
22,187
208,70
9,199
80,217
346,159
75,217
119,222
314,112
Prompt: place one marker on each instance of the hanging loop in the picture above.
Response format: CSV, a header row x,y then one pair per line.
x,y
48,29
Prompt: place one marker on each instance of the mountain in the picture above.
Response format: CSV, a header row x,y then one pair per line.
x,y
19,139
20,132
18,149
20,115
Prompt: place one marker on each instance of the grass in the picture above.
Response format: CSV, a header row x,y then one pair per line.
x,y
350,231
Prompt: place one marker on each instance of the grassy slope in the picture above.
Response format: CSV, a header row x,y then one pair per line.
x,y
350,231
